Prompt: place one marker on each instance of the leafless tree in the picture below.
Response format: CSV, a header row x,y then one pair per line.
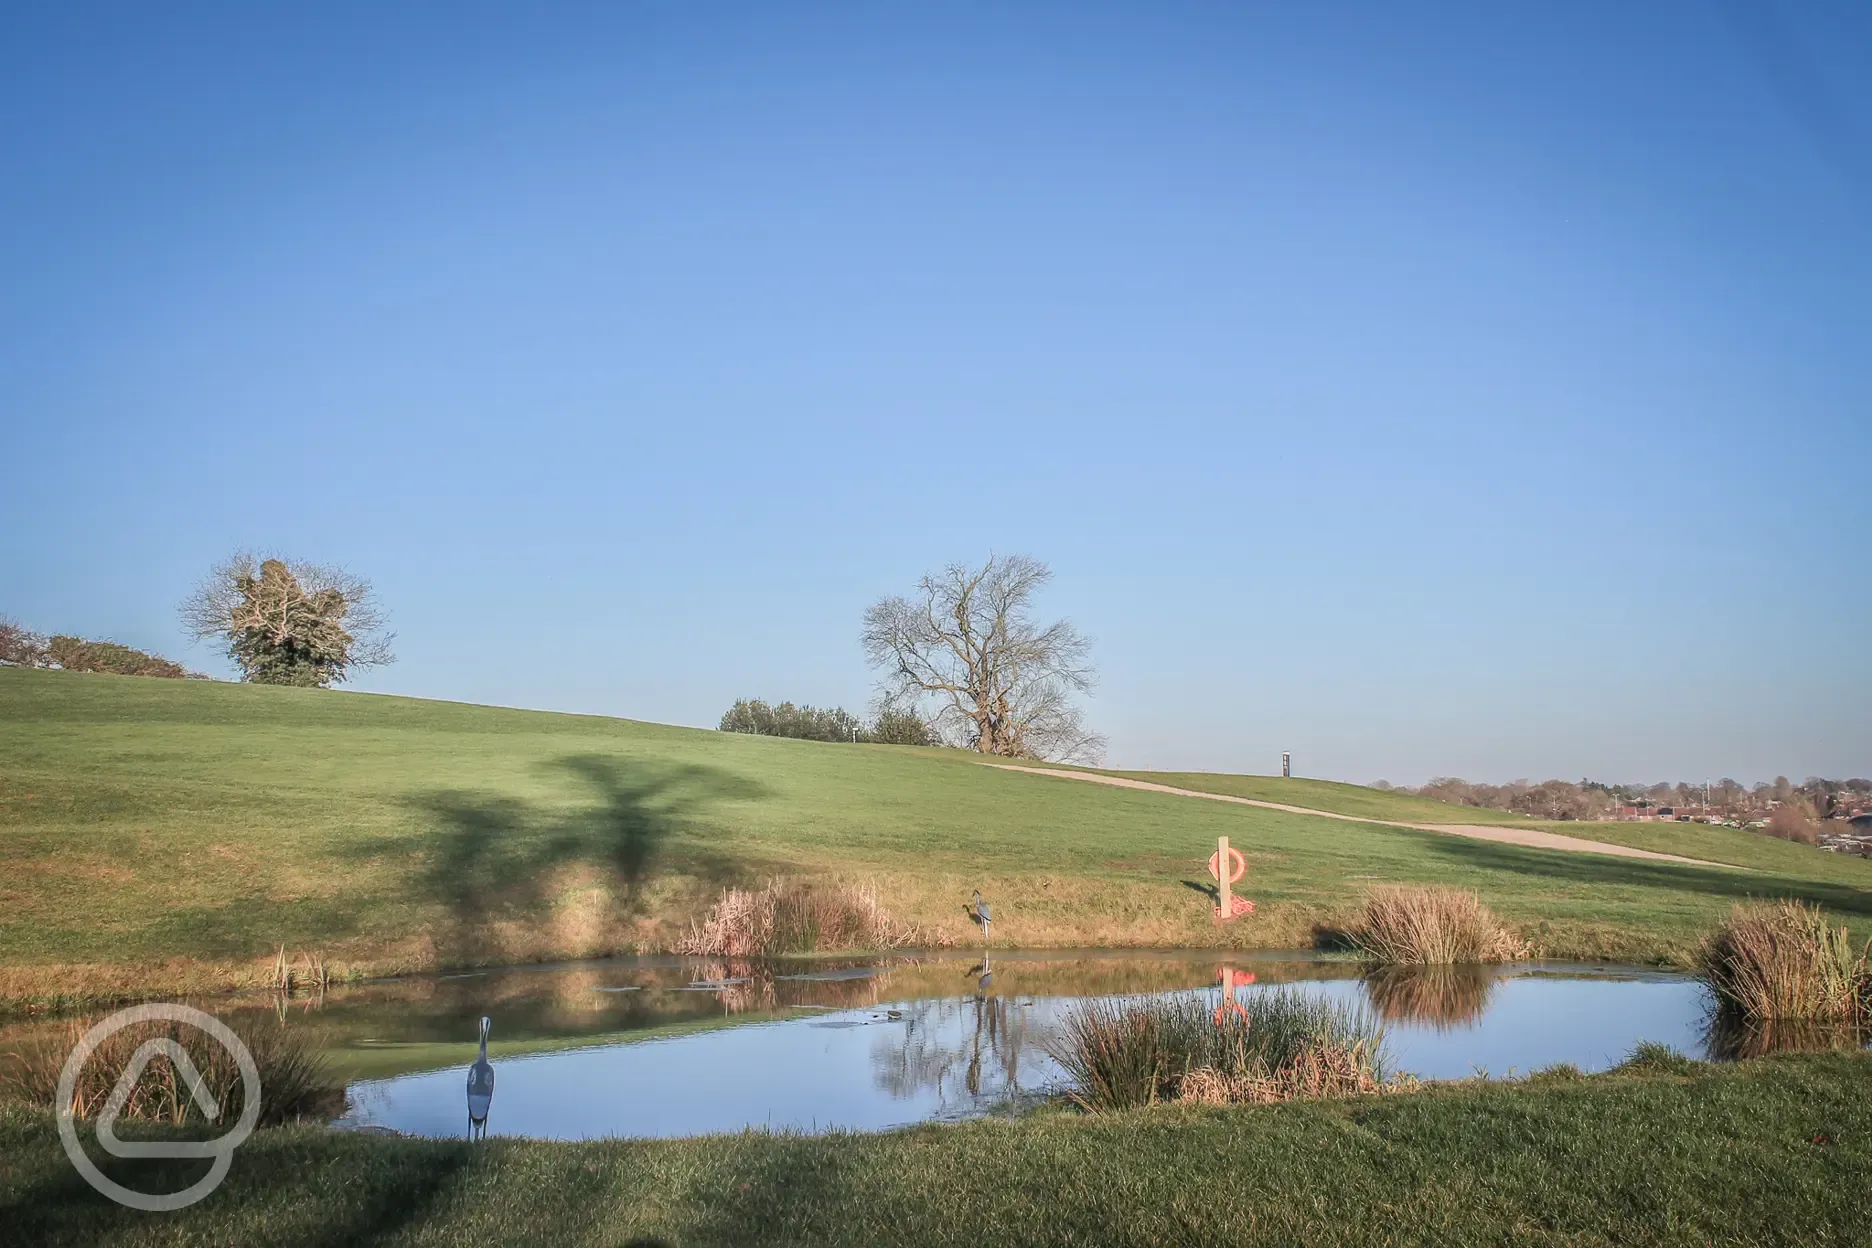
x,y
999,682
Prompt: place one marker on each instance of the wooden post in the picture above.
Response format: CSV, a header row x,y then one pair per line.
x,y
1224,907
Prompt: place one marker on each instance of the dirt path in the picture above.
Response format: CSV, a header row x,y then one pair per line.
x,y
1531,837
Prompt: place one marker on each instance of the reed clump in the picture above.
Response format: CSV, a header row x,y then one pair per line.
x,y
1125,1054
296,1083
1432,926
1782,961
796,916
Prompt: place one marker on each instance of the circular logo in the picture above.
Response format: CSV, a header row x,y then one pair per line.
x,y
222,1149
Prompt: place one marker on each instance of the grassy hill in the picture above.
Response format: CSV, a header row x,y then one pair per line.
x,y
167,836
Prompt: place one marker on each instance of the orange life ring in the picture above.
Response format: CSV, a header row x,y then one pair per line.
x,y
1238,865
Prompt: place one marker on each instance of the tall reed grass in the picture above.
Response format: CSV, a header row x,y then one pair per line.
x,y
1432,926
796,916
1124,1054
1781,961
296,1084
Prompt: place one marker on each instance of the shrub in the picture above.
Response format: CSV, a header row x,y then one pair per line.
x,y
895,727
295,1082
1782,960
796,916
20,646
802,723
1432,926
1124,1054
75,654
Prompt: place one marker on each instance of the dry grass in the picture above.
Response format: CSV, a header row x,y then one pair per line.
x,y
1782,961
797,916
295,1082
1432,926
1125,1054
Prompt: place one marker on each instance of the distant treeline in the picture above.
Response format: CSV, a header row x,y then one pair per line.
x,y
826,723
21,647
1815,797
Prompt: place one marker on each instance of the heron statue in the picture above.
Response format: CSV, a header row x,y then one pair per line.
x,y
480,1088
981,915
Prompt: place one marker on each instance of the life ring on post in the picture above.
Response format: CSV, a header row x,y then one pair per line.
x,y
1238,865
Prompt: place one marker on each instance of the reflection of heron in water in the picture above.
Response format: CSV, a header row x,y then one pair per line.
x,y
990,1016
480,1088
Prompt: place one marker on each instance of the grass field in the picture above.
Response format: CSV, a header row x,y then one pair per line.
x,y
1777,1151
169,836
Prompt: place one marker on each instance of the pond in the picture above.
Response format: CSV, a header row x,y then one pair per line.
x,y
670,1047
666,1046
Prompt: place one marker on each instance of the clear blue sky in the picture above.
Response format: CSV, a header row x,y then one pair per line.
x,y
1478,389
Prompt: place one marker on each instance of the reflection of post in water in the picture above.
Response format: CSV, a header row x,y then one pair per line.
x,y
1446,996
1232,979
480,1088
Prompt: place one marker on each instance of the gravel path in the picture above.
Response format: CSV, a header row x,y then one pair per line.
x,y
1532,837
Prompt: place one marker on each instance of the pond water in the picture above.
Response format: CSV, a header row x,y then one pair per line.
x,y
667,1047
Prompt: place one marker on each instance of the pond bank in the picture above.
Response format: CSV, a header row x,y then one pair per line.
x,y
1765,1152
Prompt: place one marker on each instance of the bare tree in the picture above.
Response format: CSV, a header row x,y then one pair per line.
x,y
286,622
999,681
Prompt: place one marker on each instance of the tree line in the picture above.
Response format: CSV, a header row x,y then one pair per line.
x,y
890,726
22,647
1814,798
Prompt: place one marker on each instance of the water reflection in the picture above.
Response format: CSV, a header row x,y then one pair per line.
x,y
1732,1038
480,1087
674,1046
1442,997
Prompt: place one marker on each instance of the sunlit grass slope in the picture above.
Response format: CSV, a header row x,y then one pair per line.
x,y
167,835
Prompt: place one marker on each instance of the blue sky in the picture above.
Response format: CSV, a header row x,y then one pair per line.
x,y
1474,389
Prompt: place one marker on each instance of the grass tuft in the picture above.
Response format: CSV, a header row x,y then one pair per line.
x,y
1432,926
1126,1054
1652,1058
796,916
1783,961
296,1084
1559,1072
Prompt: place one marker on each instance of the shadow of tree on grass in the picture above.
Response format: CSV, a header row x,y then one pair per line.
x,y
491,854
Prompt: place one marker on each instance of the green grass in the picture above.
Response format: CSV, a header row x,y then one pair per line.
x,y
1763,1153
168,836
1331,795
